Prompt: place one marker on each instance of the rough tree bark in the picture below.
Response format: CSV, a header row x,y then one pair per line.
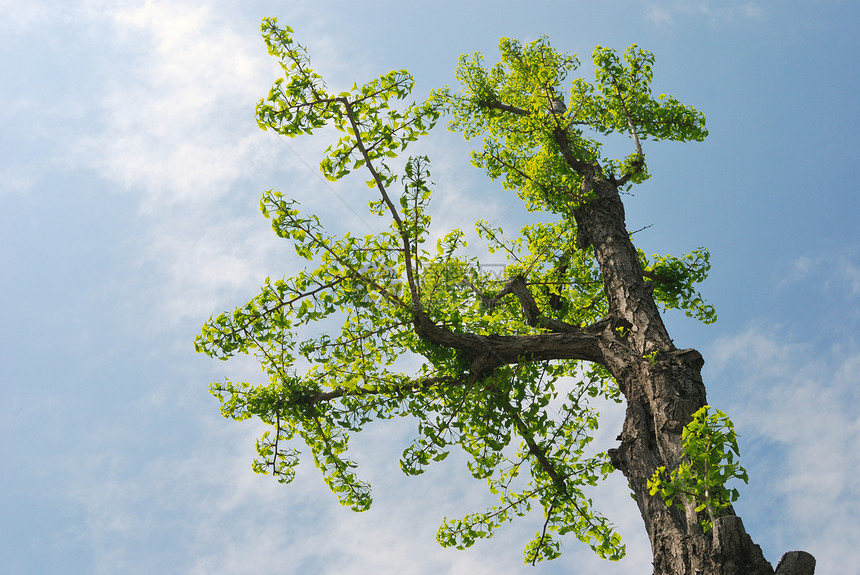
x,y
662,394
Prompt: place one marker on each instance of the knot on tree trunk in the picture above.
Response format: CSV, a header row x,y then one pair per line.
x,y
796,563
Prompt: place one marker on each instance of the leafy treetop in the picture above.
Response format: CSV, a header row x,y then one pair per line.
x,y
490,353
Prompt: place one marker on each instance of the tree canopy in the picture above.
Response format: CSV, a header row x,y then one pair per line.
x,y
384,325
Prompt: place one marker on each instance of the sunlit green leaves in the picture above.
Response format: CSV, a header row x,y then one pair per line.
x,y
566,282
511,105
275,459
674,280
710,449
300,103
374,129
624,103
544,150
549,470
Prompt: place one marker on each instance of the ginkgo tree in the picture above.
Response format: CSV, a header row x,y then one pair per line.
x,y
575,314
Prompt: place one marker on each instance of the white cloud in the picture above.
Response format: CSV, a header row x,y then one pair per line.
x,y
752,11
17,179
177,119
850,272
199,263
834,271
716,12
176,127
21,15
222,518
659,15
796,407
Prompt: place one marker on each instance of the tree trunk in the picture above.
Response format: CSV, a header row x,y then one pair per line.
x,y
796,563
662,392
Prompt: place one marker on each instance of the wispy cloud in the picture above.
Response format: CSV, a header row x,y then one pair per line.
x,y
228,520
175,128
20,15
177,120
796,407
660,15
17,179
666,13
835,271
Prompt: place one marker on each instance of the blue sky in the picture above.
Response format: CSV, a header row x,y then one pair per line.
x,y
130,174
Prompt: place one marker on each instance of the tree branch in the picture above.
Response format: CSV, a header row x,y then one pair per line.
x,y
412,385
543,531
487,352
505,108
518,287
535,449
404,236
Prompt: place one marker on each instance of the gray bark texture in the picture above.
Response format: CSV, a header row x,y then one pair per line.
x,y
796,563
661,396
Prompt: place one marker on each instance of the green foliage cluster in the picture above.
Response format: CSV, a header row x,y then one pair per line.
x,y
710,447
674,280
511,106
367,295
